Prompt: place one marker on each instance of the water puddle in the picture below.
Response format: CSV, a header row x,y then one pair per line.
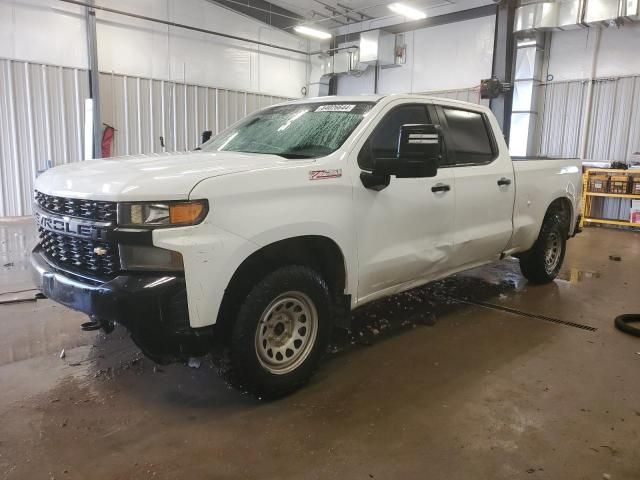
x,y
574,275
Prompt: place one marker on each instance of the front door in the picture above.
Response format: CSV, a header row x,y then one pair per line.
x,y
404,231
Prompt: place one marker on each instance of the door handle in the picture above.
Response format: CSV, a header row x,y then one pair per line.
x,y
440,187
504,181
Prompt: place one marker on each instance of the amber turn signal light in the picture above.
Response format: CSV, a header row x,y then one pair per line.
x,y
186,213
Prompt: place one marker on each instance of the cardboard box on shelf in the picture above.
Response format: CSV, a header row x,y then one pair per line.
x,y
635,183
635,211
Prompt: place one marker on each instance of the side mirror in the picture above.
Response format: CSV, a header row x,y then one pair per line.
x,y
417,156
206,135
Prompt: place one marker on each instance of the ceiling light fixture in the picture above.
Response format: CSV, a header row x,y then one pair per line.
x,y
407,11
312,32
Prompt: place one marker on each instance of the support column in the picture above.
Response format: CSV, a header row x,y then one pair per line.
x,y
503,60
94,79
524,138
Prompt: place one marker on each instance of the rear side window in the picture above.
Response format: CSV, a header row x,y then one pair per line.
x,y
383,142
469,136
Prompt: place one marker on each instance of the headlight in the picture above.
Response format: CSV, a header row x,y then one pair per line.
x,y
162,214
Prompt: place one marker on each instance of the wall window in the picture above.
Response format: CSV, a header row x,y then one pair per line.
x,y
470,140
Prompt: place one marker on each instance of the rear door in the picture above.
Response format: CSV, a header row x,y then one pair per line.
x,y
485,187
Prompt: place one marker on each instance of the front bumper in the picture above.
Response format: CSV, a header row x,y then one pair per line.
x,y
153,307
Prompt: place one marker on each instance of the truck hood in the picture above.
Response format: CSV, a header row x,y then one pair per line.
x,y
166,176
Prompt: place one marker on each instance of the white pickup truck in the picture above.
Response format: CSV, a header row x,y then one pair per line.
x,y
269,235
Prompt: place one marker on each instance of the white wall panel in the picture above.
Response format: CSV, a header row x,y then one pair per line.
x,y
453,56
43,31
572,51
359,84
53,32
446,57
180,55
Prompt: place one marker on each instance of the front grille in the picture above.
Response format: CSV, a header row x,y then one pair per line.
x,y
77,254
77,207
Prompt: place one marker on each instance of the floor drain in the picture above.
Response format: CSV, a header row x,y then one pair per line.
x,y
514,311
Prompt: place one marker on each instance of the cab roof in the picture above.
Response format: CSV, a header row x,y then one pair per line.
x,y
377,98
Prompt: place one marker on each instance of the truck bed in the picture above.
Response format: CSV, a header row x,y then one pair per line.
x,y
539,181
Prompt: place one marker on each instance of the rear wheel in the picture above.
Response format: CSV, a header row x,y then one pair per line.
x,y
281,331
543,262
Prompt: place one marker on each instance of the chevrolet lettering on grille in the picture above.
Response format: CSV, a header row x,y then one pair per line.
x,y
73,226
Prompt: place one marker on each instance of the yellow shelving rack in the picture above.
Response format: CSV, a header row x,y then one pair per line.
x,y
586,199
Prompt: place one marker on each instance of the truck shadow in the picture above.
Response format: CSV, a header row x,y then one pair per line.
x,y
426,305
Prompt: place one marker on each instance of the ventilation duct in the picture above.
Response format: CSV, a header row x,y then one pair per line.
x,y
572,14
598,12
377,47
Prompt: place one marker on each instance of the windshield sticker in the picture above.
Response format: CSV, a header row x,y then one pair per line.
x,y
335,108
324,174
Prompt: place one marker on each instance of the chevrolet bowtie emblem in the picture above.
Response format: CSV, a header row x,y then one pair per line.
x,y
100,251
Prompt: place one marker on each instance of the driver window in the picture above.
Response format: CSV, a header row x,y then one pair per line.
x,y
383,142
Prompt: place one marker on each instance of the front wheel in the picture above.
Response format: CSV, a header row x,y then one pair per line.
x,y
281,331
542,263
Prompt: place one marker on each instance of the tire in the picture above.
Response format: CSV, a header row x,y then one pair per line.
x,y
281,331
622,323
542,263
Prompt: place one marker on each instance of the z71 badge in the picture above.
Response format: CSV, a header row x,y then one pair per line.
x,y
324,174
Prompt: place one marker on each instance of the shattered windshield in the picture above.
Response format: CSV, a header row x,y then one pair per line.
x,y
304,130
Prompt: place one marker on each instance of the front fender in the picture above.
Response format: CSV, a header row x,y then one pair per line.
x,y
211,256
249,211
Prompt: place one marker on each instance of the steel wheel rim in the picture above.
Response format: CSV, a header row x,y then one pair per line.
x,y
553,250
286,332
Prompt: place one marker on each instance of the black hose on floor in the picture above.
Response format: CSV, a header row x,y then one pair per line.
x,y
622,323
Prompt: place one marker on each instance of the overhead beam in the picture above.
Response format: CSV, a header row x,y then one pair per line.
x,y
459,16
363,16
337,12
324,17
263,11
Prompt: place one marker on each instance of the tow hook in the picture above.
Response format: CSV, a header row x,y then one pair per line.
x,y
96,324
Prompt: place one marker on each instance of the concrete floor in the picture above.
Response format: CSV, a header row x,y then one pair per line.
x,y
429,384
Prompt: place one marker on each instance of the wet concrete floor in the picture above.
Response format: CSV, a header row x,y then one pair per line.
x,y
473,377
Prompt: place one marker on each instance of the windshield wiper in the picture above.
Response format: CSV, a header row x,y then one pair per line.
x,y
293,155
287,155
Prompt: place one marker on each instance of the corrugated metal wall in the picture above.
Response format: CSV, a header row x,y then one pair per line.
x,y
143,110
614,132
42,117
561,118
614,127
